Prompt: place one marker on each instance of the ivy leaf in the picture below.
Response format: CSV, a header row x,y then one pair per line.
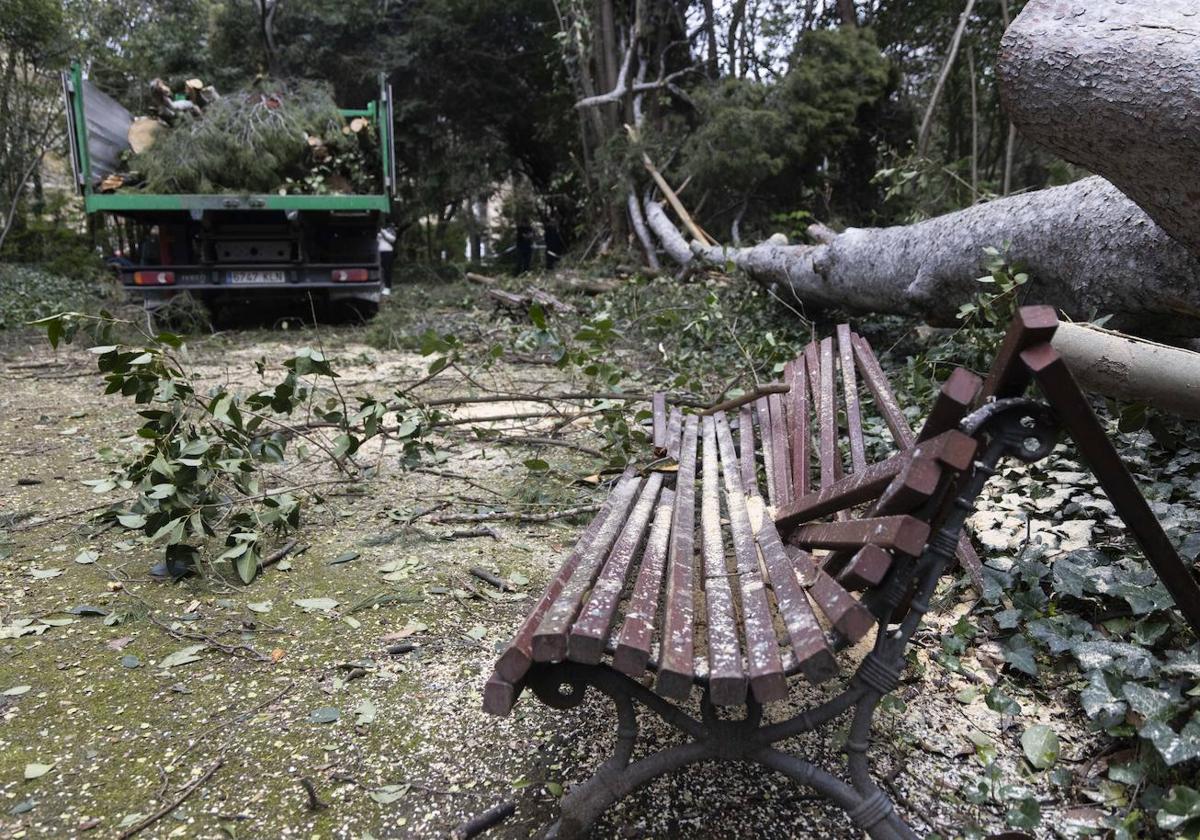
x,y
1040,745
1019,653
1000,702
1180,811
1118,657
1099,703
1174,747
1024,813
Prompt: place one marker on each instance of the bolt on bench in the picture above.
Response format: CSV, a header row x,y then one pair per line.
x,y
698,577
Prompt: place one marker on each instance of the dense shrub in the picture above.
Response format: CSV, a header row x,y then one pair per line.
x,y
28,293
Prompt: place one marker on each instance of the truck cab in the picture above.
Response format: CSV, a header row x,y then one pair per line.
x,y
230,250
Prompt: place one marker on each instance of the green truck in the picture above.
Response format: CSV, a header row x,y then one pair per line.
x,y
227,250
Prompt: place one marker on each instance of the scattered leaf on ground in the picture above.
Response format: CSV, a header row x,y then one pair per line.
x,y
183,656
319,604
33,770
326,714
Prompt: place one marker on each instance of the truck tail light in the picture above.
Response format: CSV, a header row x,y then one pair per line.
x,y
349,275
154,278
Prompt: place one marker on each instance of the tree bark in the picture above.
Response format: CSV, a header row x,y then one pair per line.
x,y
1114,85
1088,249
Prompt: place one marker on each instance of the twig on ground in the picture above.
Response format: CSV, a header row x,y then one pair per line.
x,y
314,802
29,526
495,580
192,635
188,789
281,552
481,531
482,822
514,516
543,441
458,477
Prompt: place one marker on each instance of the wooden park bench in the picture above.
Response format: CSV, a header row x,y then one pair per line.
x,y
742,568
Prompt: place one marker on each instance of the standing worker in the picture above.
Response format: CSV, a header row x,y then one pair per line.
x,y
387,256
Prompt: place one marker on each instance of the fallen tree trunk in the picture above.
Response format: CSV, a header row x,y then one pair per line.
x,y
1127,368
1089,249
1114,86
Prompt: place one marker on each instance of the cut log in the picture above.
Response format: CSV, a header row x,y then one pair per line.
x,y
1127,368
143,132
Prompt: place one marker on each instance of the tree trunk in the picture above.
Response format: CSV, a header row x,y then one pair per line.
x,y
1088,249
1114,86
927,122
846,13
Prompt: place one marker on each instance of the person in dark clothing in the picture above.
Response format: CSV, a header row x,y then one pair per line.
x,y
524,247
554,246
387,256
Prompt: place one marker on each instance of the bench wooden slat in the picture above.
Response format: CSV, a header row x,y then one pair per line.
x,y
726,677
632,649
865,569
550,638
499,696
658,408
845,613
586,640
877,383
676,665
798,428
517,657
1008,376
950,396
827,407
812,364
763,412
779,440
954,400
809,644
767,681
674,432
854,423
852,490
749,467
903,533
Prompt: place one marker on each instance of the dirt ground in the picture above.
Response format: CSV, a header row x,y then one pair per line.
x,y
390,745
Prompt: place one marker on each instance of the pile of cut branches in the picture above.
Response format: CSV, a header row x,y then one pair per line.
x,y
282,136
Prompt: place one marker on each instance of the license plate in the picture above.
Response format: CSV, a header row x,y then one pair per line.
x,y
254,278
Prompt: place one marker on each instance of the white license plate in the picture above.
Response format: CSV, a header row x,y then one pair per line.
x,y
253,278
